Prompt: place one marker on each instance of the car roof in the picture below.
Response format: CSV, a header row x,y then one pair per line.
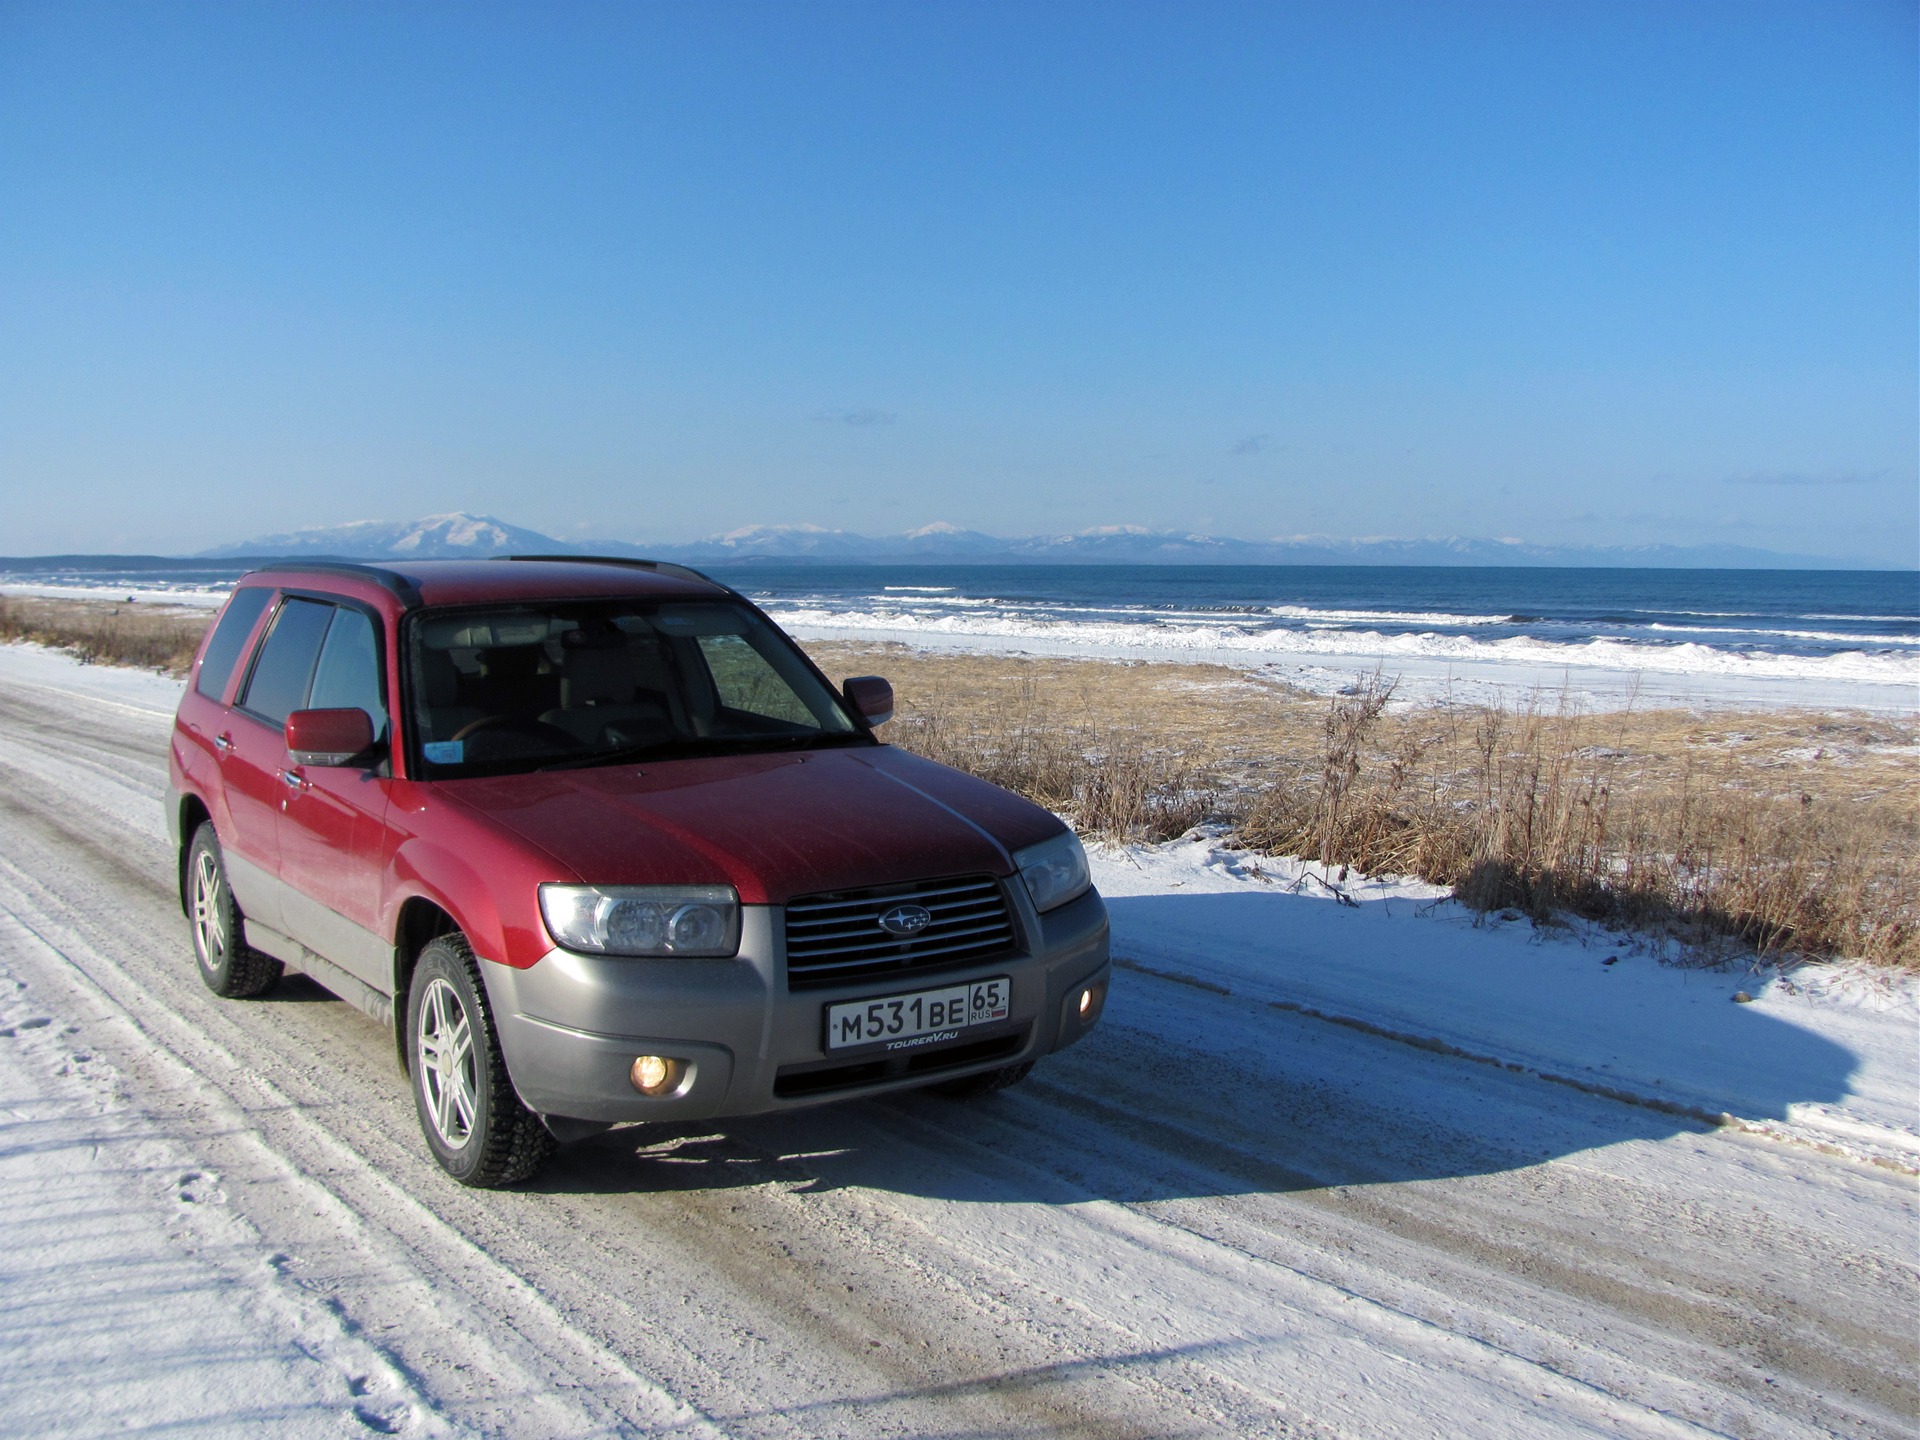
x,y
467,582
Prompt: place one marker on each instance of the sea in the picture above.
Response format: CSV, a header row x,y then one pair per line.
x,y
1814,637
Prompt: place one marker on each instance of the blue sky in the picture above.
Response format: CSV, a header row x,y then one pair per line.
x,y
1563,271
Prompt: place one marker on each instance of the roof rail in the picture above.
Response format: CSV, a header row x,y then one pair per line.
x,y
660,567
388,580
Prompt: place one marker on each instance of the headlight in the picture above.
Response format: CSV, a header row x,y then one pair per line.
x,y
1055,871
643,919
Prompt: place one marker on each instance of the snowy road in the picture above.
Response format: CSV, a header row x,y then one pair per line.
x,y
1215,1217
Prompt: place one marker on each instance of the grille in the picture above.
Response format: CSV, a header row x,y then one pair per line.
x,y
836,937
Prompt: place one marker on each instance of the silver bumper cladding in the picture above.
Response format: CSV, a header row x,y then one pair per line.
x,y
572,1025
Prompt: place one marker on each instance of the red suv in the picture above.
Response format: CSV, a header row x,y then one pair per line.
x,y
602,845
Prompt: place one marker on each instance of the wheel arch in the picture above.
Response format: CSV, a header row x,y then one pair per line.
x,y
193,813
421,920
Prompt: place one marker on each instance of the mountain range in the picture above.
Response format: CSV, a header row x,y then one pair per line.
x,y
465,535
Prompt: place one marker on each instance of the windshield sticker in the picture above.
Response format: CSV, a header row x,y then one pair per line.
x,y
445,752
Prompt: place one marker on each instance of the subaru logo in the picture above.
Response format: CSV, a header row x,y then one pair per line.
x,y
905,920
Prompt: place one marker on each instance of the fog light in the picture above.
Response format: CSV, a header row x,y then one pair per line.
x,y
1086,1003
653,1074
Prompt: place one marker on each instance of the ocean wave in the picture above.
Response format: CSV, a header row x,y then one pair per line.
x,y
1833,637
1386,617
1085,612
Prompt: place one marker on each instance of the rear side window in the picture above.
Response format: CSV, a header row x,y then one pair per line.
x,y
223,650
348,675
280,675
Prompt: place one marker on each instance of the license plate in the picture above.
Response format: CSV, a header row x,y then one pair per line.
x,y
924,1017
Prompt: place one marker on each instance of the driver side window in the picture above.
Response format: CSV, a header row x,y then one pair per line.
x,y
348,675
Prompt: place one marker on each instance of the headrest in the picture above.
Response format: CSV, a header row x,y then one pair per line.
x,y
438,678
596,675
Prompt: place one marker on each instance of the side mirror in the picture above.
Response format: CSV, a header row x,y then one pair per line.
x,y
871,696
328,737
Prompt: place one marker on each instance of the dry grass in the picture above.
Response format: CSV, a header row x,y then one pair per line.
x,y
1793,834
153,637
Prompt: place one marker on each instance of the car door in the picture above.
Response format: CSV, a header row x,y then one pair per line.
x,y
333,817
253,754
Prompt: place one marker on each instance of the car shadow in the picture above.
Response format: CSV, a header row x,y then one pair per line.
x,y
295,988
1223,1083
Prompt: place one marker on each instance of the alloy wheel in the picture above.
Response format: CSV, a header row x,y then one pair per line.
x,y
449,1078
209,911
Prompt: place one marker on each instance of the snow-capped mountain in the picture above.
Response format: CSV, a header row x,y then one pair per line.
x,y
436,537
476,536
779,542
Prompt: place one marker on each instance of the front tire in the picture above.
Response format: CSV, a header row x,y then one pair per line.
x,y
475,1125
231,968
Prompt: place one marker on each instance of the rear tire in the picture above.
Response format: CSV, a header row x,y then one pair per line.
x,y
231,968
971,1086
475,1125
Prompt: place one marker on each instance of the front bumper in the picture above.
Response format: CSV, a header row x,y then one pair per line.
x,y
571,1025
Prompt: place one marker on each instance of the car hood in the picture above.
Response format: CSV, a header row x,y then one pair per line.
x,y
772,826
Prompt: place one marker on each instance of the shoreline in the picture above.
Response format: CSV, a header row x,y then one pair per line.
x,y
1427,680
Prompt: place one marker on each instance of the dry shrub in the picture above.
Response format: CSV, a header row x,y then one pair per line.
x,y
153,638
1534,810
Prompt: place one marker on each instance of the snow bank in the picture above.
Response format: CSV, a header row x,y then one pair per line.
x,y
1823,1055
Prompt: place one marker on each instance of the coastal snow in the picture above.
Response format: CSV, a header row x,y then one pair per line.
x,y
1821,1054
1430,667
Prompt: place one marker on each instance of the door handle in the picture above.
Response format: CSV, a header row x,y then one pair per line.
x,y
223,743
293,779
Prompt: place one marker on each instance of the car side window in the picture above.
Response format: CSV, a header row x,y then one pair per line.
x,y
223,650
745,681
278,684
348,675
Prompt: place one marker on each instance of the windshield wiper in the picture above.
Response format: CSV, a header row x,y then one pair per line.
x,y
625,755
818,740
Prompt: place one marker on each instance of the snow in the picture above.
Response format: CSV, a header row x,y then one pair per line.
x,y
131,1296
1429,667
1820,1054
141,692
139,1285
1827,1056
186,596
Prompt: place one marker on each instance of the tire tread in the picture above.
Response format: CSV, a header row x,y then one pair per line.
x,y
248,973
517,1145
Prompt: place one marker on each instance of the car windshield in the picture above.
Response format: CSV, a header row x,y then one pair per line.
x,y
598,682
